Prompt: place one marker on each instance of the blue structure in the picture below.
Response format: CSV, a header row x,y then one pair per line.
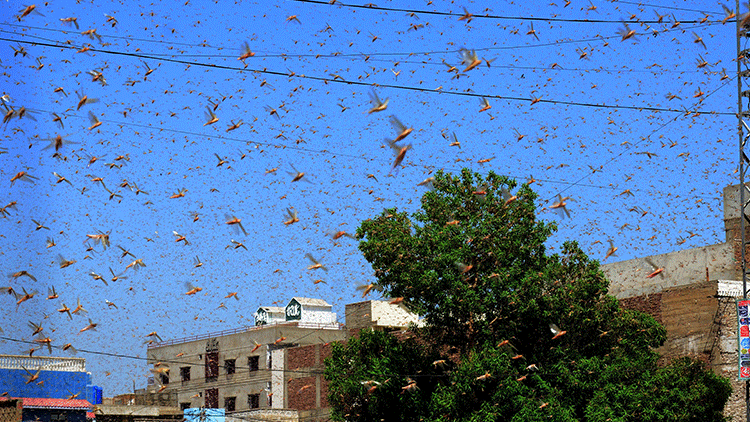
x,y
204,415
57,378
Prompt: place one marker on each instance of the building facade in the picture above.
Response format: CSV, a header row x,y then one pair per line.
x,y
693,296
245,368
273,371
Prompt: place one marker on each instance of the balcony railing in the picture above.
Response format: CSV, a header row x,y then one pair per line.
x,y
45,363
205,336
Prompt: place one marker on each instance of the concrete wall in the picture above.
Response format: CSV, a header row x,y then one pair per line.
x,y
731,199
378,314
277,379
317,315
118,413
681,268
358,316
270,415
386,315
687,313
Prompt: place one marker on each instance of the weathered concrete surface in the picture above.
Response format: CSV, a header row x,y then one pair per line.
x,y
681,268
378,314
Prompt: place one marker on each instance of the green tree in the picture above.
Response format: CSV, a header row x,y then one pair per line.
x,y
510,332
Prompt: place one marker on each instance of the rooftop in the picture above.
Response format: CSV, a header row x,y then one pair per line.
x,y
239,330
273,309
44,403
311,302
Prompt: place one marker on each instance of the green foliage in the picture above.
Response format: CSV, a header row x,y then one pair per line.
x,y
368,373
473,263
681,391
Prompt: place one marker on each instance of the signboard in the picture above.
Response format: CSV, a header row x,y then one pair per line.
x,y
743,338
261,317
293,311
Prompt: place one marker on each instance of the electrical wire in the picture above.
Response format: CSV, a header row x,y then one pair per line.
x,y
326,152
401,53
366,84
642,4
478,17
643,139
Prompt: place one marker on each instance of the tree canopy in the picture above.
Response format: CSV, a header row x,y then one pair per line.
x,y
510,333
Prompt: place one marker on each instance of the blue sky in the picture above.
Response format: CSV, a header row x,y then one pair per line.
x,y
604,103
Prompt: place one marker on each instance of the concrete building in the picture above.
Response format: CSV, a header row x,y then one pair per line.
x,y
272,371
692,293
244,368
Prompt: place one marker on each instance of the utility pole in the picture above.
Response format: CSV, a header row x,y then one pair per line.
x,y
744,133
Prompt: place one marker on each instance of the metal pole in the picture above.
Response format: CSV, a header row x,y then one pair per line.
x,y
741,129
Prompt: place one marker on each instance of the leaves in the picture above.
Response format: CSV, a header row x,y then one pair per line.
x,y
474,266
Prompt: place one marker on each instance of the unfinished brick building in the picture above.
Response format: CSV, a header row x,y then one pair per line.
x,y
694,298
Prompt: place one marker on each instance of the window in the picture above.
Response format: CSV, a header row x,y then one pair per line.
x,y
270,394
165,378
212,366
229,366
212,398
269,360
185,405
185,373
230,403
252,362
253,401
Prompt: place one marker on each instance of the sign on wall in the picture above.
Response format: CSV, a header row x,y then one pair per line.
x,y
293,311
743,338
261,317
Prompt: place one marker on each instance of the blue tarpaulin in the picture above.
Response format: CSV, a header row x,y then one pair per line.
x,y
204,415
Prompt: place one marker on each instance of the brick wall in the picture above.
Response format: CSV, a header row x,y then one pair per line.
x,y
725,361
10,410
325,352
302,357
302,393
324,392
687,313
650,304
307,389
358,316
732,228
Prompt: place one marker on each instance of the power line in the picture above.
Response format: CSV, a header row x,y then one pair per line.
x,y
283,147
576,183
359,83
378,54
108,35
662,126
452,14
296,148
146,359
641,4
